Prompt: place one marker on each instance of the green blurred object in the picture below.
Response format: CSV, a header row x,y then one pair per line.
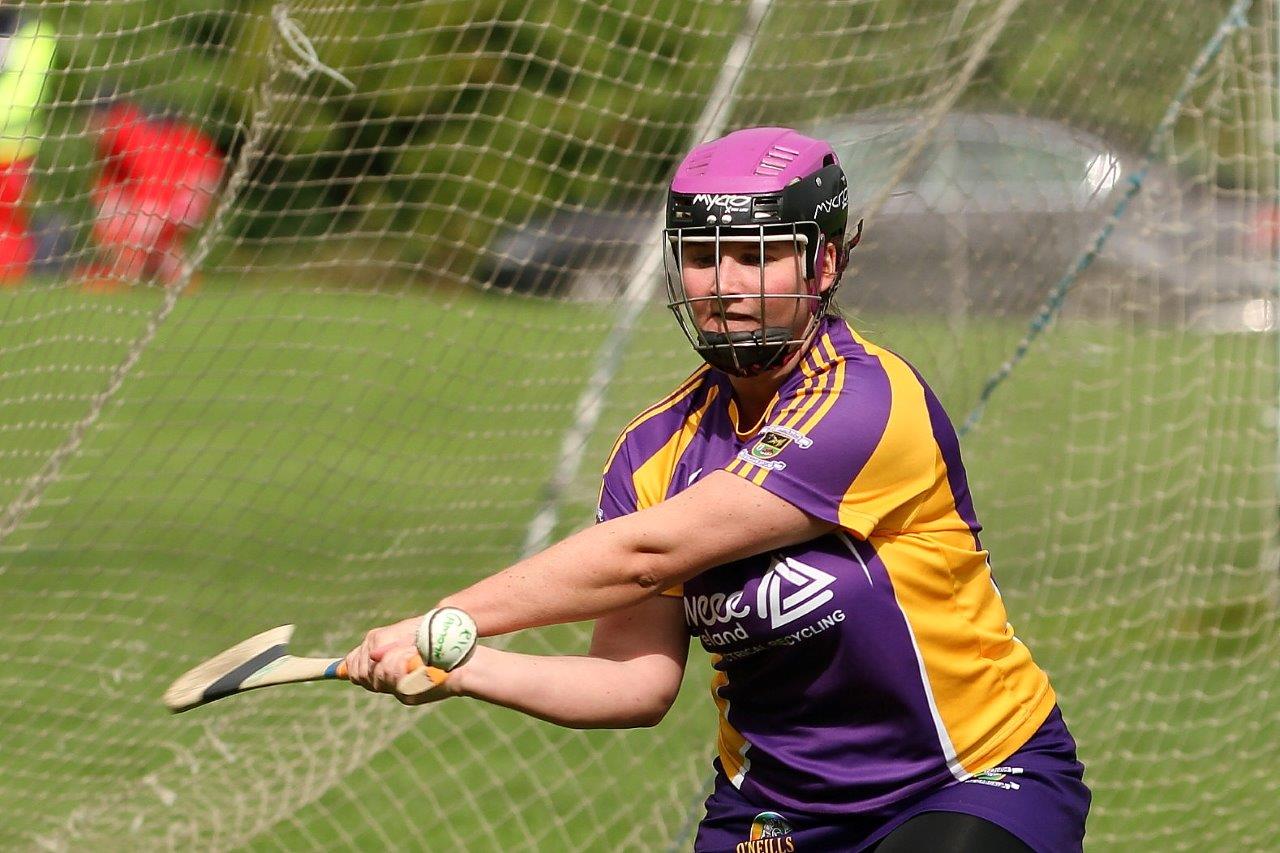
x,y
581,123
26,56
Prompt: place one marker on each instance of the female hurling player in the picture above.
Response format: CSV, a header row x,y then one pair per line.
x,y
799,506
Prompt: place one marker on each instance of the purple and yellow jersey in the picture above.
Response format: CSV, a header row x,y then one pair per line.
x,y
871,664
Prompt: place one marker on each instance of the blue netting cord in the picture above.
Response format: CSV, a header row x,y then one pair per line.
x,y
1236,18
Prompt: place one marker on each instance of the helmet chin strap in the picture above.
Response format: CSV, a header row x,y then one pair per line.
x,y
747,353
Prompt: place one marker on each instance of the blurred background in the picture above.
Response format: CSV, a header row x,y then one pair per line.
x,y
313,311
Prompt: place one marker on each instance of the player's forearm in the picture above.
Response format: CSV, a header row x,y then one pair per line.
x,y
577,692
622,562
593,572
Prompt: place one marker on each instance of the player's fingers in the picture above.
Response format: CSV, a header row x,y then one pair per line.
x,y
359,665
363,661
352,664
377,673
391,665
373,648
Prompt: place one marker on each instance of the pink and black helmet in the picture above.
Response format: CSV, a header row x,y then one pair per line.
x,y
761,184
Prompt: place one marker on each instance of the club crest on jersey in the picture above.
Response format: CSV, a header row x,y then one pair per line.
x,y
770,833
773,441
770,445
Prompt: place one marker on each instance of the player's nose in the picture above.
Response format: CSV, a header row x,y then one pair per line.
x,y
735,277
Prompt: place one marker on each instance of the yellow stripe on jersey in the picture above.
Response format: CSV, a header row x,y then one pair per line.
x,y
653,478
685,388
830,394
801,400
967,650
730,743
902,463
942,583
821,397
807,395
740,466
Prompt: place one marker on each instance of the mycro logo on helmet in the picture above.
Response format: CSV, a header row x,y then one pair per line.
x,y
728,202
830,204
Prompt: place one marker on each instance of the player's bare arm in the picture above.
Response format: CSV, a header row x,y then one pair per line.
x,y
607,567
629,677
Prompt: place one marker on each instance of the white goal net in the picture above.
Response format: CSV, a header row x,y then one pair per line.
x,y
312,311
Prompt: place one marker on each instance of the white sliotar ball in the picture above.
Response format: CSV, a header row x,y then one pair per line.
x,y
446,638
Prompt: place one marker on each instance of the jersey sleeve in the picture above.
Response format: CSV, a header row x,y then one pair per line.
x,y
618,494
851,444
617,489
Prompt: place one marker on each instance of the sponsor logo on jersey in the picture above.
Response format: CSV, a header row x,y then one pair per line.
x,y
599,514
997,777
807,592
789,591
770,833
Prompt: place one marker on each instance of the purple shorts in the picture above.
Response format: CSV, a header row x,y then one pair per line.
x,y
1037,794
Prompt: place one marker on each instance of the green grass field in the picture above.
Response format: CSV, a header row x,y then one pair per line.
x,y
340,459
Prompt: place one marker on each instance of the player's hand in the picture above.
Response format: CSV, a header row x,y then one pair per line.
x,y
446,684
379,662
443,690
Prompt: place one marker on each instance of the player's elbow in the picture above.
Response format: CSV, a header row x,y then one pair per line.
x,y
648,721
642,556
654,709
659,700
643,714
652,571
647,693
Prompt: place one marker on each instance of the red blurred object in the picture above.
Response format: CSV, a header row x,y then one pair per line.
x,y
17,246
1265,234
158,179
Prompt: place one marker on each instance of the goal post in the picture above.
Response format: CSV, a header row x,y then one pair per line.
x,y
377,338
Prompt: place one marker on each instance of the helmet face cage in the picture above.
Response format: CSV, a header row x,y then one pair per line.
x,y
760,185
747,352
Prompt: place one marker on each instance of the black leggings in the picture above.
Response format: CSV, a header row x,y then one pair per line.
x,y
949,832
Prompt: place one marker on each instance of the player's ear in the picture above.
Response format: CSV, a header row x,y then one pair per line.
x,y
828,266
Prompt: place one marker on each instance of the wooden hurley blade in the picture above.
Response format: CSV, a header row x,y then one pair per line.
x,y
259,661
263,660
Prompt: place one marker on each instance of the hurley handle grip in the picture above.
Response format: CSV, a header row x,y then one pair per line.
x,y
420,678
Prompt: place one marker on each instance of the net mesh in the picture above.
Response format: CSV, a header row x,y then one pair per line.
x,y
354,373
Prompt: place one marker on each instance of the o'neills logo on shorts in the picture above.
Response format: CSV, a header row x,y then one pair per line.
x,y
770,833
